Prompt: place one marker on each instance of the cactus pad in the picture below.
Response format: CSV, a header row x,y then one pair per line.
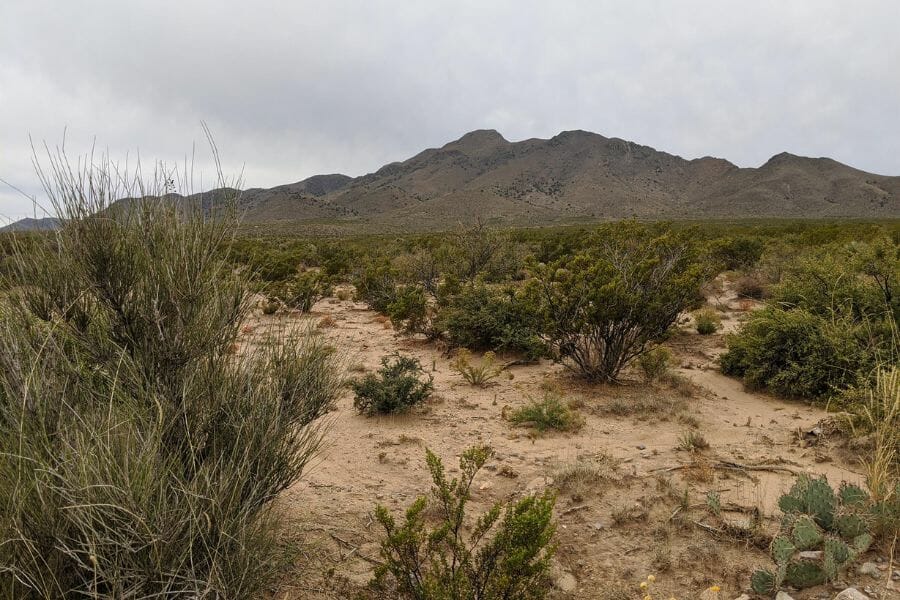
x,y
806,534
849,524
804,574
763,582
852,495
782,549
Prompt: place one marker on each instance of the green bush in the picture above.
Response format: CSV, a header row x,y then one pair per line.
x,y
608,304
411,311
547,413
737,253
144,458
397,387
655,363
829,321
503,555
376,285
706,321
797,353
481,318
302,290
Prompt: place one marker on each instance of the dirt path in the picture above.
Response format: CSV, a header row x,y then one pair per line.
x,y
612,531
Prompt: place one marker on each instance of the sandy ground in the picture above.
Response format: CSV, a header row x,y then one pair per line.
x,y
644,513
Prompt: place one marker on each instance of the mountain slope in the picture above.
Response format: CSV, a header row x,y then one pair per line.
x,y
581,174
573,175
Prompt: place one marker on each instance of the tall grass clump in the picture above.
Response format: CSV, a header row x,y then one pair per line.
x,y
139,455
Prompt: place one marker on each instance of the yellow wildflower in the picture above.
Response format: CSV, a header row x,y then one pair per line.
x,y
715,588
643,585
651,578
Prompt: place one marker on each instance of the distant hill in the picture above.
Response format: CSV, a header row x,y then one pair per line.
x,y
29,224
572,176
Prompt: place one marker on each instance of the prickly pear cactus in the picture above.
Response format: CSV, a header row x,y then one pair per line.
x,y
805,533
852,496
763,582
816,518
804,574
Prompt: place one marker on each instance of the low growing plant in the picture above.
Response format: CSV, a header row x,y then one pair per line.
x,y
655,363
706,321
547,413
436,553
479,373
398,386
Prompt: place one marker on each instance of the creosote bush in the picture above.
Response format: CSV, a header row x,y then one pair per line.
x,y
655,363
479,317
437,553
301,291
398,386
610,303
138,456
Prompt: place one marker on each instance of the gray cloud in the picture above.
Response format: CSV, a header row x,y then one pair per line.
x,y
294,88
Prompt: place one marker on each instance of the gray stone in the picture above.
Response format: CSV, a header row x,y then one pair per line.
x,y
812,554
783,596
868,568
743,597
851,594
566,582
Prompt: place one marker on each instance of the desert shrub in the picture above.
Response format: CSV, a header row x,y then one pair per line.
x,y
302,290
503,555
828,323
608,304
376,285
750,286
692,441
481,318
706,321
797,353
335,259
474,251
138,458
547,413
480,373
655,363
737,253
858,280
398,386
411,311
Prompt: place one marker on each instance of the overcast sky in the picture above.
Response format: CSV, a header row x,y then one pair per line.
x,y
293,88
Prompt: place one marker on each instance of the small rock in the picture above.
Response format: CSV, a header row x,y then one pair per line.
x,y
598,526
641,447
896,576
743,597
851,594
566,582
783,596
868,568
811,554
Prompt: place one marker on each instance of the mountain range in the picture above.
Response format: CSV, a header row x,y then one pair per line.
x,y
575,175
